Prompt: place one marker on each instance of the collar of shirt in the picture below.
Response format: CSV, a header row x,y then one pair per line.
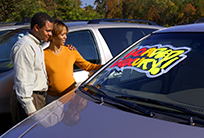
x,y
33,37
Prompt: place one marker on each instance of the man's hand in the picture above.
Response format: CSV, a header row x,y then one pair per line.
x,y
71,47
31,113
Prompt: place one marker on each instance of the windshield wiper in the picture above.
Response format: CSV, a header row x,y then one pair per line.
x,y
124,103
173,106
97,88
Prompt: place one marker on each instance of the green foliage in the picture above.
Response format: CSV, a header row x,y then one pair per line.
x,y
72,10
22,9
101,7
162,12
6,8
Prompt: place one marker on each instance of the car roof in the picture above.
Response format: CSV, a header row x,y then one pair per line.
x,y
112,22
115,25
111,25
98,21
83,24
11,27
198,27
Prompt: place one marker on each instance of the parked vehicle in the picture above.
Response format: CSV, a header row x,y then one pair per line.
x,y
97,42
154,88
201,20
7,28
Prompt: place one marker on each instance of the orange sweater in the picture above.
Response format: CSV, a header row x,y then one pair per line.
x,y
60,68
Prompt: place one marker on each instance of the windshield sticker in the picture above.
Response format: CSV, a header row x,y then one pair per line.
x,y
153,60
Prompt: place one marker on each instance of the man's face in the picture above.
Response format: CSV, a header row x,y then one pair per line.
x,y
45,32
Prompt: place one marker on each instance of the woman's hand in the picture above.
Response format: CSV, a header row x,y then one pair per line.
x,y
71,47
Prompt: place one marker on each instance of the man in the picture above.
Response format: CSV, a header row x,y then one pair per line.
x,y
30,78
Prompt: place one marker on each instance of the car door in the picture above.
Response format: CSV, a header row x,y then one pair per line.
x,y
84,43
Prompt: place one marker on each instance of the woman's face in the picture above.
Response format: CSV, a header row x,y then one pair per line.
x,y
61,38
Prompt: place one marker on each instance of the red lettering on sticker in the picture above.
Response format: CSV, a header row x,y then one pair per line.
x,y
121,63
116,63
130,53
136,52
126,62
139,52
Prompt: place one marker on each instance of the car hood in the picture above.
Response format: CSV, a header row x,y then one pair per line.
x,y
74,116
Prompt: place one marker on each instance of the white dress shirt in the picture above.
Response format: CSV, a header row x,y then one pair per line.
x,y
27,58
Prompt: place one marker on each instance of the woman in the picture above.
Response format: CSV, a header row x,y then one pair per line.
x,y
59,61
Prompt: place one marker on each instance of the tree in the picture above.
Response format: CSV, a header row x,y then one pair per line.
x,y
101,7
154,15
71,10
64,6
90,13
165,12
114,9
20,9
199,6
6,8
188,12
27,8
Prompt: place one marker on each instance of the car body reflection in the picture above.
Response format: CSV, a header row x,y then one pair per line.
x,y
56,111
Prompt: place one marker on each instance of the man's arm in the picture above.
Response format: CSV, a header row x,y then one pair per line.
x,y
24,77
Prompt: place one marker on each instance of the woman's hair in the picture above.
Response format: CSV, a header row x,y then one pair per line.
x,y
58,28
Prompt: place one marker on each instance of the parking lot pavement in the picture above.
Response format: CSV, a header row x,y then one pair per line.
x,y
5,122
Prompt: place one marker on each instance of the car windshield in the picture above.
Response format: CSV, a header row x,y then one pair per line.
x,y
6,43
166,67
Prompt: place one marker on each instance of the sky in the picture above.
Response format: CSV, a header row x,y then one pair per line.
x,y
88,2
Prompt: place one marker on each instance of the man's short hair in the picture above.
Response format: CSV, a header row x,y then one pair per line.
x,y
40,19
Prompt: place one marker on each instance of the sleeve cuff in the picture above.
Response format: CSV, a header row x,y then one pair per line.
x,y
30,108
27,104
